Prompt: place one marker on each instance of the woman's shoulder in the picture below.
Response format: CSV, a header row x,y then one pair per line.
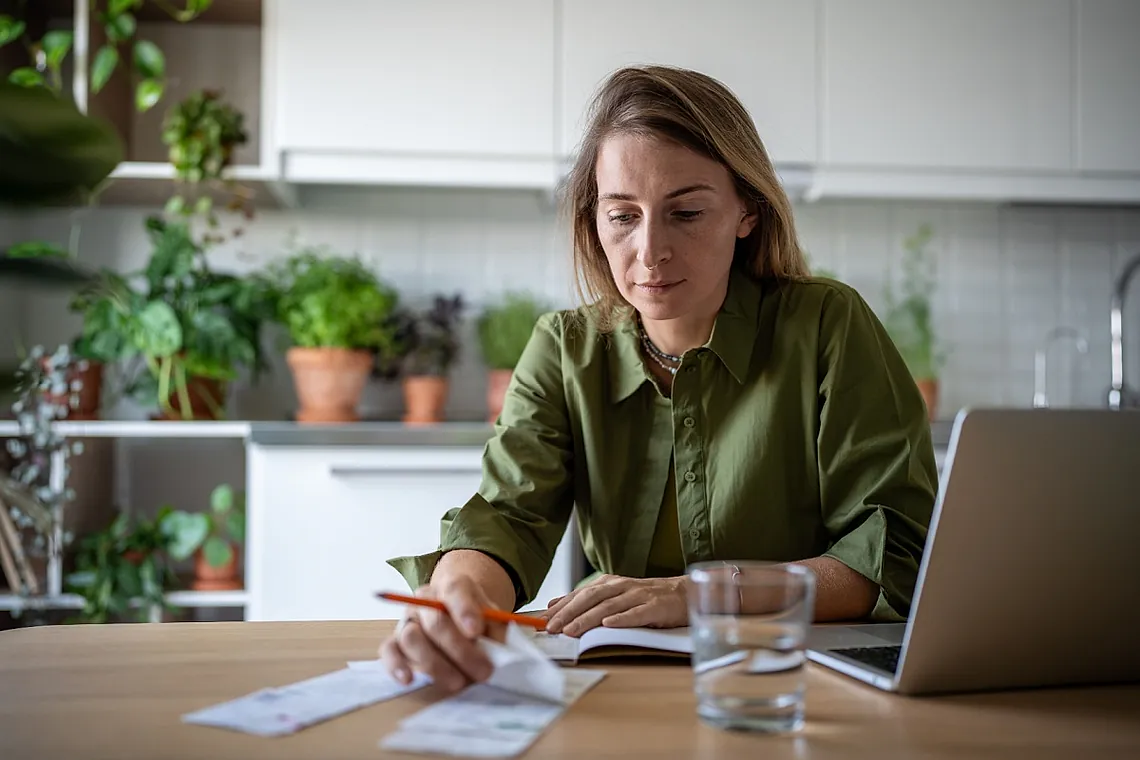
x,y
811,300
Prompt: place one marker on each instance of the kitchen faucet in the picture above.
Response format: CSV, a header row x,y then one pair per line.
x,y
1120,396
1040,366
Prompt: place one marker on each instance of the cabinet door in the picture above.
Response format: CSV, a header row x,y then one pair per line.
x,y
764,50
1108,85
432,77
973,84
324,521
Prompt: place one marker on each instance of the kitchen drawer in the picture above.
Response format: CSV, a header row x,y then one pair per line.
x,y
324,521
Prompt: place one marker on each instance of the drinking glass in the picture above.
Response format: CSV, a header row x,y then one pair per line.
x,y
749,623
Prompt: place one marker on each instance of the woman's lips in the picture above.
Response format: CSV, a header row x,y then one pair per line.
x,y
657,288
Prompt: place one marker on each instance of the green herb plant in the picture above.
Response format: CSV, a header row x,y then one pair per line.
x,y
505,328
331,301
908,317
119,22
214,532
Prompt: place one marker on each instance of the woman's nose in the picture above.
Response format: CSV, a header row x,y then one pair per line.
x,y
652,245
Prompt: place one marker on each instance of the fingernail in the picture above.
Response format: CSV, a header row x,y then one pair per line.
x,y
403,676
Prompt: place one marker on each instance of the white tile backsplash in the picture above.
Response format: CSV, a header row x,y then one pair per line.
x,y
1007,275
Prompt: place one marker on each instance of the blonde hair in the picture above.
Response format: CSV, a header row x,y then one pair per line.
x,y
699,113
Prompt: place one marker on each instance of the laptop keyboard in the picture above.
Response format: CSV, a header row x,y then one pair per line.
x,y
884,658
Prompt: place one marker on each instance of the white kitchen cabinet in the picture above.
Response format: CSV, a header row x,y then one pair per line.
x,y
324,520
927,84
1108,85
764,50
435,91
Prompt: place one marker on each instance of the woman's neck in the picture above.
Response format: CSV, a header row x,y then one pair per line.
x,y
676,336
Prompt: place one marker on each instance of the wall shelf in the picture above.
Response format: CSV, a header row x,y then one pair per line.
x,y
142,429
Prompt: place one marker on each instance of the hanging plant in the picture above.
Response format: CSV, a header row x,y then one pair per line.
x,y
120,25
201,133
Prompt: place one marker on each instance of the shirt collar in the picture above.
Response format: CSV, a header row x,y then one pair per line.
x,y
733,339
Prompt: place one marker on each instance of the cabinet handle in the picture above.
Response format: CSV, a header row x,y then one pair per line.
x,y
347,472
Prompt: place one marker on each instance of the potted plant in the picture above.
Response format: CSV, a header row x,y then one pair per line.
x,y
504,330
909,318
122,572
95,347
193,327
212,538
338,315
428,346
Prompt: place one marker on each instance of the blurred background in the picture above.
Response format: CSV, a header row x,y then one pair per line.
x,y
971,167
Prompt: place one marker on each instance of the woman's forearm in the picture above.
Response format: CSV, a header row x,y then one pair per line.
x,y
487,573
840,592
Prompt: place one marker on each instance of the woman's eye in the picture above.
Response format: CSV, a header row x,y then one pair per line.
x,y
688,216
621,218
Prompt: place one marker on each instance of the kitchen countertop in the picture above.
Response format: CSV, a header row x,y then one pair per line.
x,y
369,434
400,434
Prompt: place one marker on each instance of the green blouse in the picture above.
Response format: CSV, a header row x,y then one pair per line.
x,y
796,431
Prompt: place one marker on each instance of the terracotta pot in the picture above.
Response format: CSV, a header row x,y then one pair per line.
x,y
424,399
89,375
328,382
497,382
929,390
207,400
210,578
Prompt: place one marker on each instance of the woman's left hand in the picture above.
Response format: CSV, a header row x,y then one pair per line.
x,y
614,601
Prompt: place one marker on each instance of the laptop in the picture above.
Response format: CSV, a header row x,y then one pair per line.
x,y
1031,573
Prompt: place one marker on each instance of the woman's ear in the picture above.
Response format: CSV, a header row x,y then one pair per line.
x,y
749,216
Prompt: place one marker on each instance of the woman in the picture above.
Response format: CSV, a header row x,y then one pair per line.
x,y
712,402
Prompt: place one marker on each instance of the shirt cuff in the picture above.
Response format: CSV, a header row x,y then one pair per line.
x,y
862,550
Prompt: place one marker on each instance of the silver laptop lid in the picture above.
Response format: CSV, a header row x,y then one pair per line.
x,y
1032,576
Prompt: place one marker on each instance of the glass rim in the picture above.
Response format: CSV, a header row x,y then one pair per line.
x,y
769,570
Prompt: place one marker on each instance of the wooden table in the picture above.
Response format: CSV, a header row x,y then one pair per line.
x,y
118,691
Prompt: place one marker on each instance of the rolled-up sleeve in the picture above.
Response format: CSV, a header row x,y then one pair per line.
x,y
523,505
878,477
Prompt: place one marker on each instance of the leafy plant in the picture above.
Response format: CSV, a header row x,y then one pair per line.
x,y
120,25
51,152
44,396
214,532
179,317
909,318
201,133
505,328
426,342
334,302
122,572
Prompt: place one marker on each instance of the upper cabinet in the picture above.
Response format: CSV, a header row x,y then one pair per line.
x,y
929,84
1108,85
764,50
446,91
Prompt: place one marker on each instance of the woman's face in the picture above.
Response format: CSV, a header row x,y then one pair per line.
x,y
668,219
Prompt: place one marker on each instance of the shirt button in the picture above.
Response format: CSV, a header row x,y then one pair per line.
x,y
694,533
690,422
690,477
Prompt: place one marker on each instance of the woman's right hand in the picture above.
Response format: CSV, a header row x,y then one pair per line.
x,y
443,645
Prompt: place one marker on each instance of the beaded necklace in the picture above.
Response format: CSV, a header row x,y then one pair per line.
x,y
656,354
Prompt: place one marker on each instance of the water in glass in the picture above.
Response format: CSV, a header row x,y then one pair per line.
x,y
749,666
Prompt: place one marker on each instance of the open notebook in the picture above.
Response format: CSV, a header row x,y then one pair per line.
x,y
615,642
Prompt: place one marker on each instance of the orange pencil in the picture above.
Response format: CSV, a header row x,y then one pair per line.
x,y
499,616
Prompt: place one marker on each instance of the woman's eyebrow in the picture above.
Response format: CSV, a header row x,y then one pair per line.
x,y
672,194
